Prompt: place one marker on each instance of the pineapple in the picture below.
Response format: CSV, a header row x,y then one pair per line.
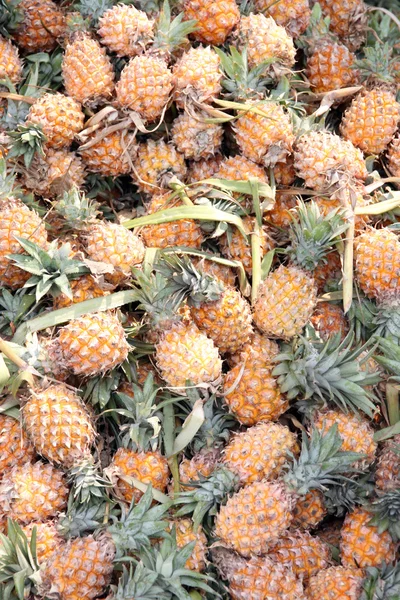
x,y
259,346
58,424
305,554
195,138
387,474
215,19
336,582
84,288
185,534
347,20
284,172
239,168
156,164
330,533
92,344
266,41
257,578
196,76
293,15
41,25
15,446
393,156
61,118
57,171
218,271
33,492
203,168
110,155
81,568
309,510
48,539
280,215
125,30
328,319
364,545
184,232
10,62
329,273
259,452
87,71
202,464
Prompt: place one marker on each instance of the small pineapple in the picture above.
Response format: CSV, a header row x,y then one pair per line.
x,y
309,510
41,25
280,215
305,554
197,76
61,118
215,19
110,155
239,168
66,433
293,15
125,30
15,446
92,344
194,137
156,163
203,168
218,271
185,534
328,319
84,288
260,347
328,274
201,464
336,582
33,492
10,62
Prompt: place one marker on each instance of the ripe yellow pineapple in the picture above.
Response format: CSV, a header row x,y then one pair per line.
x,y
330,66
362,545
227,321
87,71
348,20
293,15
15,446
215,19
387,474
280,216
41,25
16,219
336,582
309,510
260,452
184,232
202,463
83,288
305,554
203,168
156,164
59,425
10,62
197,76
125,30
93,344
148,467
241,168
48,539
264,138
284,172
195,138
56,172
81,568
328,319
61,118
262,350
185,534
111,155
33,492
257,578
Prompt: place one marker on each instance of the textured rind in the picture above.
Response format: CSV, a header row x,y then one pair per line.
x,y
156,164
348,20
203,168
328,319
93,344
10,62
125,30
147,467
305,554
87,71
202,463
254,517
393,157
59,425
81,569
387,473
309,510
293,15
195,138
83,288
111,156
260,452
336,582
56,172
42,23
221,272
47,539
377,258
330,67
227,321
215,19
15,446
33,492
371,120
240,168
197,75
361,545
260,348
16,219
280,215
285,302
145,87
185,535
61,118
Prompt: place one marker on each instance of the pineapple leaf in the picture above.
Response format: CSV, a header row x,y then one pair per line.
x,y
241,82
382,583
139,583
386,510
171,33
19,568
28,141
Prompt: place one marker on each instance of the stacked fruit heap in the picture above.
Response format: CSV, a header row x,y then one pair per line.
x,y
200,300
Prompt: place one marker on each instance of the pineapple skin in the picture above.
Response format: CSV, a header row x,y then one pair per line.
x,y
111,156
42,24
305,554
15,446
156,163
293,15
309,510
194,138
125,30
185,534
393,157
61,118
215,19
336,582
348,20
48,540
10,62
197,75
330,67
83,288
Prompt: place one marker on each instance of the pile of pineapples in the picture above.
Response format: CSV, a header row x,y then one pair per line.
x,y
199,300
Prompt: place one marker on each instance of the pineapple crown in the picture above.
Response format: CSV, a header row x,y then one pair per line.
x,y
91,10
207,495
81,519
7,181
19,568
51,269
28,142
317,30
390,357
343,496
216,428
87,483
381,583
138,526
241,82
362,316
76,208
326,373
378,65
386,510
10,16
170,33
321,462
140,583
312,235
386,322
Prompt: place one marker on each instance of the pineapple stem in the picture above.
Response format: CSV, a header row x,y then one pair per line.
x,y
179,188
392,401
6,349
169,438
256,261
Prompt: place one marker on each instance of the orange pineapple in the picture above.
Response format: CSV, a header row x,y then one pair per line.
x,y
336,582
184,232
197,76
10,62
195,138
156,164
393,156
293,15
246,453
87,71
347,20
93,344
261,348
328,272
15,447
33,492
284,172
56,172
203,168
215,19
387,474
280,216
362,545
328,319
240,168
147,467
330,67
66,434
41,25
309,510
61,118
202,463
185,534
125,30
48,540
305,554
110,155
84,288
